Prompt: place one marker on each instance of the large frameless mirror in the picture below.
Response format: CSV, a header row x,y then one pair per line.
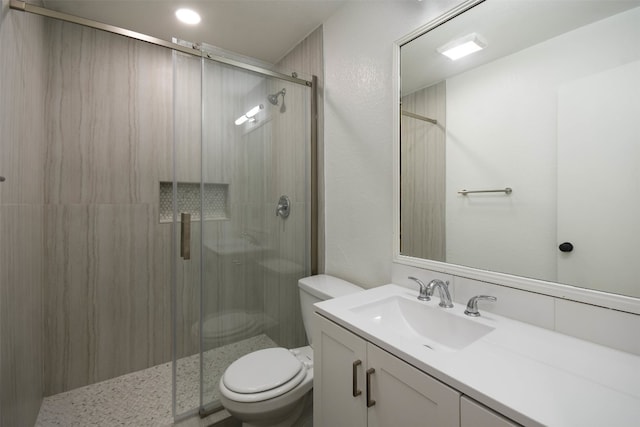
x,y
523,157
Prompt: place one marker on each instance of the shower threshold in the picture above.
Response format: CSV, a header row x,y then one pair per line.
x,y
143,398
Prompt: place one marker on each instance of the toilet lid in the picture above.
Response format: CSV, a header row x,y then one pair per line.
x,y
262,370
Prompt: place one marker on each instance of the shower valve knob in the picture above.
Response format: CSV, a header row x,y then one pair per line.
x,y
284,207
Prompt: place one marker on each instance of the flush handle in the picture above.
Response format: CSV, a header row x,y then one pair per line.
x,y
354,388
370,402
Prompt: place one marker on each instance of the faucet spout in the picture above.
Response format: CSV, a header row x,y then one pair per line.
x,y
443,291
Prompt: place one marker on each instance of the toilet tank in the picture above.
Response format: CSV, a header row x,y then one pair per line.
x,y
318,288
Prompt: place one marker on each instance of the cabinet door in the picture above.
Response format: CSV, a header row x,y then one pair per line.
x,y
473,414
335,350
405,396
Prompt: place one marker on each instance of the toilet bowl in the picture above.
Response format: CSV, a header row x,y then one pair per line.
x,y
272,387
266,387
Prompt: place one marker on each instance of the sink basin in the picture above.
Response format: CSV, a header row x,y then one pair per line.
x,y
433,326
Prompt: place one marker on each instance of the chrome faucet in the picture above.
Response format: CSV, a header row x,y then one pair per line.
x,y
443,291
424,291
472,305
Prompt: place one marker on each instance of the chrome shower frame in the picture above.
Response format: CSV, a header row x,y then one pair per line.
x,y
194,50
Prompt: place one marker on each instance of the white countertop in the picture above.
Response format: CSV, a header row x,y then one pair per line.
x,y
534,376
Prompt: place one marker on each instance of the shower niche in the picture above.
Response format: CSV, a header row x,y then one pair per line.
x,y
190,196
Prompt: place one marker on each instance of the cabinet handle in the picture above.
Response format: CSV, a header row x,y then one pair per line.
x,y
370,402
354,375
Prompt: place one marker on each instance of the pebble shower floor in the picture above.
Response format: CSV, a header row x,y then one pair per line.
x,y
142,398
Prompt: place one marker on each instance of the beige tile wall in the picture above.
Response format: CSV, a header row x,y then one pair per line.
x,y
290,153
22,144
89,209
109,127
422,161
308,58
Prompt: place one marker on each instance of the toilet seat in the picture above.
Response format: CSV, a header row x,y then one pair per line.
x,y
262,375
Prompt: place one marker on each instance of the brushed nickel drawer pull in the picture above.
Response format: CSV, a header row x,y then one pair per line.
x,y
185,236
354,389
370,402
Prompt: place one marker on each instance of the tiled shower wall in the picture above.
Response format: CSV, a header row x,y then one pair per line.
x,y
307,57
109,128
83,264
423,161
281,291
22,149
86,132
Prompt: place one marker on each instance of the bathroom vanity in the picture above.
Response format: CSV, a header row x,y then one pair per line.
x,y
383,358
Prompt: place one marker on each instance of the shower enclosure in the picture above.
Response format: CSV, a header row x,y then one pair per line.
x,y
174,218
242,163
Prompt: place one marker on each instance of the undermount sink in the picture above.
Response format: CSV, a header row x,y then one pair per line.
x,y
433,326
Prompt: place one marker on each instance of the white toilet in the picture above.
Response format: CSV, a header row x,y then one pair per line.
x,y
271,387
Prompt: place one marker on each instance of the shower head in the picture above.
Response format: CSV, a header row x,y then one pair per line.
x,y
274,98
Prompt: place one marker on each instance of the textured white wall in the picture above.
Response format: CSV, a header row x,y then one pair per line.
x,y
358,54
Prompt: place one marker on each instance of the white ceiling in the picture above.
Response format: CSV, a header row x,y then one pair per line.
x,y
262,29
507,26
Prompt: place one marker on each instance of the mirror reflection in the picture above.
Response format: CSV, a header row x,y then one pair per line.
x,y
523,156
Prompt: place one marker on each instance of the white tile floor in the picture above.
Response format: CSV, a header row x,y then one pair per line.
x,y
143,398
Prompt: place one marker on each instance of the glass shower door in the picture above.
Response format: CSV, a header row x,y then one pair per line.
x,y
241,220
255,149
184,194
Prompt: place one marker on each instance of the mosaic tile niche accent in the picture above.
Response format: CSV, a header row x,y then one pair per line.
x,y
215,197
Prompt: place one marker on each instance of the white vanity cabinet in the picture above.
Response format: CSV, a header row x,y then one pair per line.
x,y
358,384
473,414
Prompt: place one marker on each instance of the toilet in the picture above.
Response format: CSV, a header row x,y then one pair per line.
x,y
272,387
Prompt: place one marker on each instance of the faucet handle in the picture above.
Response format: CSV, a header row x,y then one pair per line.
x,y
424,290
472,305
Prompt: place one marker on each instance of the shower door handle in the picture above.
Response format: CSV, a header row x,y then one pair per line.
x,y
185,236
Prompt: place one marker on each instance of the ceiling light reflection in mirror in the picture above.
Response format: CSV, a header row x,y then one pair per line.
x,y
462,47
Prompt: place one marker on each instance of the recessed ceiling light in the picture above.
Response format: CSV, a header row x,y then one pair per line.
x,y
462,47
188,16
